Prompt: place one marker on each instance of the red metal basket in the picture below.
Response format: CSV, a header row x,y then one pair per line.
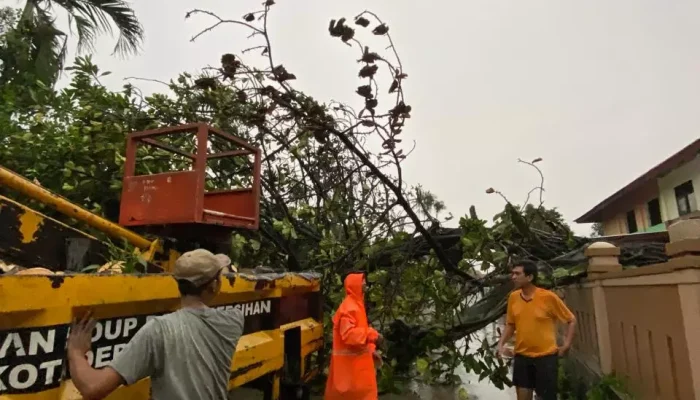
x,y
180,197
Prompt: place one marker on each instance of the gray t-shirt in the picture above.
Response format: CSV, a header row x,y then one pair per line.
x,y
186,353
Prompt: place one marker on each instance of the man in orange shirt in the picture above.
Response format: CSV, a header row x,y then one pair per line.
x,y
532,315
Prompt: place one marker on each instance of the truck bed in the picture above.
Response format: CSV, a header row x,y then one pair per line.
x,y
36,310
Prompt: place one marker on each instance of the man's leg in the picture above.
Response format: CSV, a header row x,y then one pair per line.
x,y
546,374
523,376
523,394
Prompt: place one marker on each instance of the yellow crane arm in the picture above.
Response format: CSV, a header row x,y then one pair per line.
x,y
62,205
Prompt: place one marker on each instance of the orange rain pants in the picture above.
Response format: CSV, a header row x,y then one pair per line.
x,y
352,375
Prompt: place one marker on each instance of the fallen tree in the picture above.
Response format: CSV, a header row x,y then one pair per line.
x,y
334,195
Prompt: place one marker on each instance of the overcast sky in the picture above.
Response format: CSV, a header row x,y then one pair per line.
x,y
601,90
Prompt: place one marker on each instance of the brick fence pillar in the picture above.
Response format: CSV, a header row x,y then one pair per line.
x,y
684,251
602,258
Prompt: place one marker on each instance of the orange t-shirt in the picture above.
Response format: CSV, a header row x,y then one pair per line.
x,y
534,321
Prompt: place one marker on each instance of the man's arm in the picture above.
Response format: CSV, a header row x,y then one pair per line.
x,y
93,384
509,329
505,337
570,331
354,335
563,314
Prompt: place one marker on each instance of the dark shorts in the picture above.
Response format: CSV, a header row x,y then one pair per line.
x,y
538,373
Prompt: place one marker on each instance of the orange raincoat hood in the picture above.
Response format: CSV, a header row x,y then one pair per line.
x,y
355,296
353,287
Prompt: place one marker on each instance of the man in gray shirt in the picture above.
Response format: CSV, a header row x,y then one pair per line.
x,y
186,353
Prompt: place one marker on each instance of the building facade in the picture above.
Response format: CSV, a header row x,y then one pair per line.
x,y
664,194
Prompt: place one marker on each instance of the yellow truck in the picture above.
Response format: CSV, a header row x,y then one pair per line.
x,y
283,334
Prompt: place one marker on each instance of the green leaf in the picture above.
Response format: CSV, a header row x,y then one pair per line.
x,y
560,272
90,268
372,277
463,394
422,365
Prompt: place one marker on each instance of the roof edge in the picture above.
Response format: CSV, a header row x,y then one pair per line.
x,y
661,168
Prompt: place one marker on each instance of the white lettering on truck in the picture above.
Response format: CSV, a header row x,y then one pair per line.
x,y
31,359
250,309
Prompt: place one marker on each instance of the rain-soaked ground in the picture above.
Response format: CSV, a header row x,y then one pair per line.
x,y
476,390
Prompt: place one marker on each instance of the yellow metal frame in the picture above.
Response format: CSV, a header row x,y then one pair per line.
x,y
36,301
31,221
267,345
145,247
56,299
42,301
64,206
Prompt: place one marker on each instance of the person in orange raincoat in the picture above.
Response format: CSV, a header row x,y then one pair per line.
x,y
352,375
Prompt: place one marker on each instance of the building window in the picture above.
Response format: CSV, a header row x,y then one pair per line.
x,y
654,212
631,222
685,198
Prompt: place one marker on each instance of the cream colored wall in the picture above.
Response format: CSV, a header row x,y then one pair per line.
x,y
618,224
615,226
611,227
641,214
667,195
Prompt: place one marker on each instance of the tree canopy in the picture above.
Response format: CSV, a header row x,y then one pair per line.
x,y
34,46
597,229
332,201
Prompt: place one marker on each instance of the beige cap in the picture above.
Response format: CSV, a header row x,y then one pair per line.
x,y
200,266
